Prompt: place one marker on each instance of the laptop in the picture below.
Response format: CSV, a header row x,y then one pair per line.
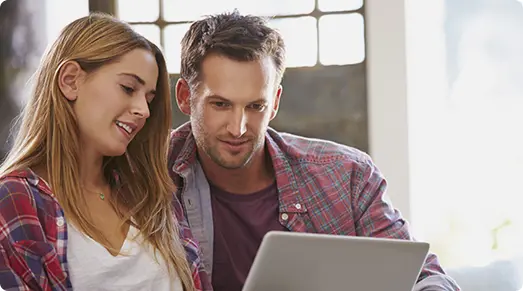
x,y
288,261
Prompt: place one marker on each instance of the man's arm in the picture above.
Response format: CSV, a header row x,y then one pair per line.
x,y
375,217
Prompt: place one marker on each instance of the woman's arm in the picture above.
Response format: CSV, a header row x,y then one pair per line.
x,y
27,260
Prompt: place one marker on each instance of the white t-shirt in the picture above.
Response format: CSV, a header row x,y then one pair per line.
x,y
92,267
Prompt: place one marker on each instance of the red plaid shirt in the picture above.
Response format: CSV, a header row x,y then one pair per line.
x,y
33,237
323,187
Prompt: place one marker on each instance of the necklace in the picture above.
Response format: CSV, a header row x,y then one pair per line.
x,y
100,194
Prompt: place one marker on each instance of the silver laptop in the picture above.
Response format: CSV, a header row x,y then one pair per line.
x,y
288,261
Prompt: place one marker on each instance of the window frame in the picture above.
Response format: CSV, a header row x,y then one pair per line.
x,y
109,7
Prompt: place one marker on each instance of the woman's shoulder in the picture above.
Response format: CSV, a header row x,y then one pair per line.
x,y
25,203
22,184
17,184
29,233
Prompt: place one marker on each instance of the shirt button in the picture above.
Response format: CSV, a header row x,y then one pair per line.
x,y
60,221
298,206
284,216
189,203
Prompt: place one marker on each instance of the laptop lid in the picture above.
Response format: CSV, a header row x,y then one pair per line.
x,y
288,261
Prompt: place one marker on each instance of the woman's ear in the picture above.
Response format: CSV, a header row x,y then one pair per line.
x,y
69,78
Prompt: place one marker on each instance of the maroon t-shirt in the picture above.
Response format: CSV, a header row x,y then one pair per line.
x,y
240,222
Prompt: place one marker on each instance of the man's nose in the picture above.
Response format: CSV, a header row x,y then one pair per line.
x,y
238,124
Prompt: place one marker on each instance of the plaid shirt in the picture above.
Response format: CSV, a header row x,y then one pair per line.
x,y
33,237
323,187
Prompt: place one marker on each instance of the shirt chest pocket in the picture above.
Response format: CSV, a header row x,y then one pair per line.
x,y
39,263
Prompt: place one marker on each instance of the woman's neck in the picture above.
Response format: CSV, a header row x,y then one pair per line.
x,y
91,172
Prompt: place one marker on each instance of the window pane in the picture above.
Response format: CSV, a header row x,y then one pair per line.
x,y
339,5
300,36
150,31
342,46
138,10
57,20
173,35
178,10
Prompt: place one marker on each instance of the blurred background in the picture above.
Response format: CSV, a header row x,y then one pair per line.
x,y
433,90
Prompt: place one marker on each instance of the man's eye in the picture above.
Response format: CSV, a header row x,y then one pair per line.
x,y
220,104
258,107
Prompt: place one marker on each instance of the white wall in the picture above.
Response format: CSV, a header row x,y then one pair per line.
x,y
387,97
427,98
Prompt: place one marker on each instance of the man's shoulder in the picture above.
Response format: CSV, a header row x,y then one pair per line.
x,y
300,149
178,139
181,133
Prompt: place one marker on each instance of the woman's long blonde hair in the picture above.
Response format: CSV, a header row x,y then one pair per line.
x,y
48,135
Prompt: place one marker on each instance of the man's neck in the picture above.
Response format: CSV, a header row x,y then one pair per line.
x,y
256,175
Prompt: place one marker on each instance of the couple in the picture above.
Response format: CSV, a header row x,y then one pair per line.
x,y
87,199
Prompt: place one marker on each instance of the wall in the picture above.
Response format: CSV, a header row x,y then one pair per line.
x,y
387,97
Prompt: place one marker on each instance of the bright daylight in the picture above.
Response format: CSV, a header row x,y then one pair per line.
x,y
431,91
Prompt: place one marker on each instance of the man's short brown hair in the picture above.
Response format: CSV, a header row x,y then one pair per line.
x,y
238,37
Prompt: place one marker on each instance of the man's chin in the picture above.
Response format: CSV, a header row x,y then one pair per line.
x,y
232,164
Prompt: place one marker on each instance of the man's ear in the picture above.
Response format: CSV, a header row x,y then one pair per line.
x,y
69,78
183,96
276,104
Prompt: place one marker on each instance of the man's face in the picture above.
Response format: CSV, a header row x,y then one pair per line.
x,y
231,109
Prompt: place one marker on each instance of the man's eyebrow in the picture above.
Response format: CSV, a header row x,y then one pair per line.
x,y
213,96
218,97
261,100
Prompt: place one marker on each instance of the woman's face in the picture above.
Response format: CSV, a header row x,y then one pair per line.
x,y
112,103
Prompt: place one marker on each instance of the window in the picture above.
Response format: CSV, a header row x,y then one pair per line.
x,y
173,34
341,47
56,19
312,33
465,129
177,10
302,43
337,5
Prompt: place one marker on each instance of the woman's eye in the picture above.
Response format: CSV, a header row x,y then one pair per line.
x,y
127,90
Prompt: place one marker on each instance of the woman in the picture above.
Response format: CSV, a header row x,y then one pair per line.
x,y
86,201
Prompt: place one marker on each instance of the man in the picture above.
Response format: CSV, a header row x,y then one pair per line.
x,y
239,179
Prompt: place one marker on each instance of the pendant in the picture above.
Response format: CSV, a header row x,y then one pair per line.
x,y
102,196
